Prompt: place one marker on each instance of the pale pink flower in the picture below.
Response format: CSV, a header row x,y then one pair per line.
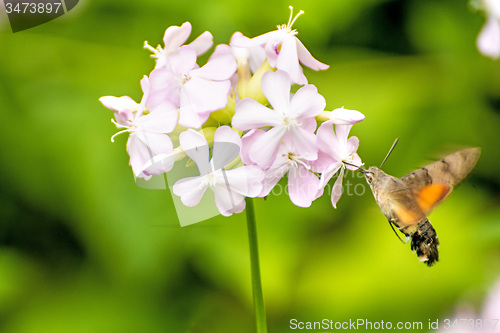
x,y
466,320
291,118
230,187
488,41
174,38
147,132
491,308
302,183
197,91
124,108
284,50
335,148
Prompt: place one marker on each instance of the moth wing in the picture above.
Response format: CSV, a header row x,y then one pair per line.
x,y
429,196
406,216
432,183
404,209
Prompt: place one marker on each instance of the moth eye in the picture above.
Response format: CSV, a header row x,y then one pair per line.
x,y
369,178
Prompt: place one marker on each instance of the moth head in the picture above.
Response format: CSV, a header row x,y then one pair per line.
x,y
372,174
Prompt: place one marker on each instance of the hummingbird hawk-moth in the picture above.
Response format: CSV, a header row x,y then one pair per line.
x,y
406,201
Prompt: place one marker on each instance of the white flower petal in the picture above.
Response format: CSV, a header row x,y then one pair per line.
x,y
239,40
352,144
146,87
156,148
176,36
263,151
124,107
183,61
226,134
322,163
196,147
273,176
488,41
271,49
328,141
190,189
302,186
202,43
164,87
254,55
337,189
205,95
247,141
288,60
159,164
304,142
189,118
342,116
307,59
139,156
492,7
342,132
162,120
221,65
276,88
309,124
239,52
118,104
492,305
307,102
334,142
327,174
245,180
156,143
226,148
228,202
251,114
356,160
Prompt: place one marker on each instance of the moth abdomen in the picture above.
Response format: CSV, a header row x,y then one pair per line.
x,y
425,243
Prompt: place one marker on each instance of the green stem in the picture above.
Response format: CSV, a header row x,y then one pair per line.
x,y
258,298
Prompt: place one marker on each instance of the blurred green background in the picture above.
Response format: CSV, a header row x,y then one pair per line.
x,y
83,249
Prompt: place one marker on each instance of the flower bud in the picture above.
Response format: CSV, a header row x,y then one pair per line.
x,y
222,116
341,116
253,88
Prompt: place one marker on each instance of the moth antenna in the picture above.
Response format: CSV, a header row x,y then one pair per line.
x,y
392,227
389,153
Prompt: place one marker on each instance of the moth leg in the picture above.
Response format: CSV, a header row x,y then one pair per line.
x,y
395,232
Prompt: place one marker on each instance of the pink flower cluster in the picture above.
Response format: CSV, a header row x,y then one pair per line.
x,y
240,104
